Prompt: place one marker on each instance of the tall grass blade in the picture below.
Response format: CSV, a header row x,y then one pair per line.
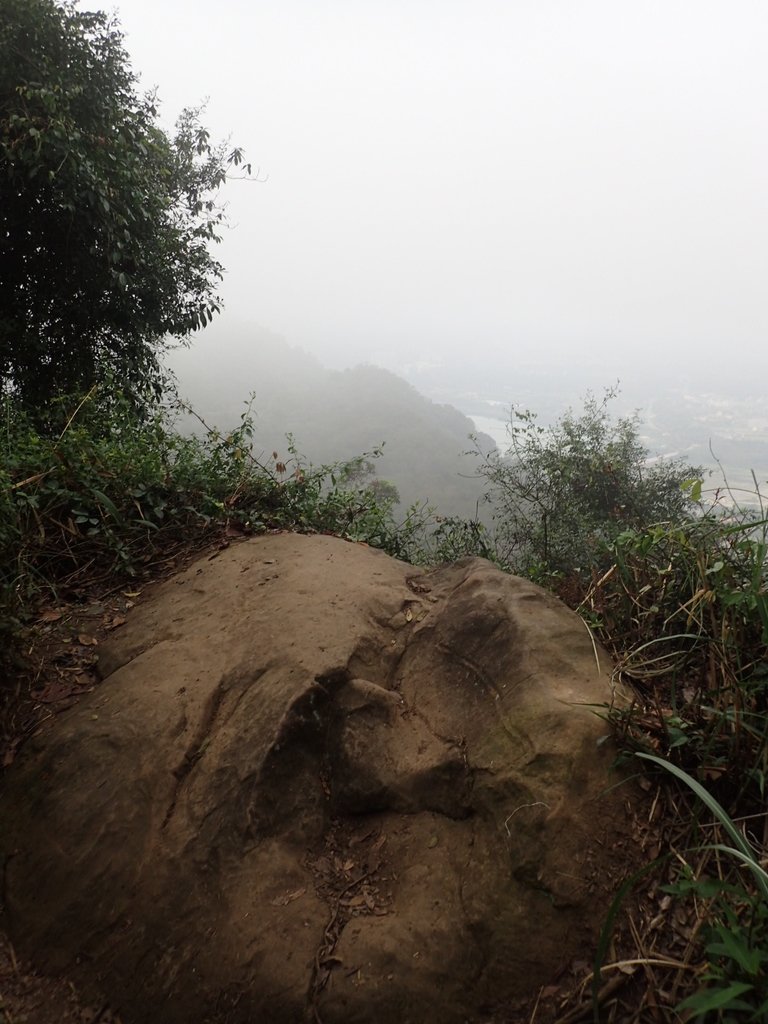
x,y
743,849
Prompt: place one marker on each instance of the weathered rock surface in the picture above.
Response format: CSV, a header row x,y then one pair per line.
x,y
320,784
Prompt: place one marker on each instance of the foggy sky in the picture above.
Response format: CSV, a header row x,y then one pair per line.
x,y
560,180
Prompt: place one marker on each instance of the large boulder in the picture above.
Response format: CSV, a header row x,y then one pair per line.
x,y
321,784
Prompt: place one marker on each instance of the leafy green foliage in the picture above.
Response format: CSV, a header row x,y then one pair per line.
x,y
736,978
105,221
454,538
562,494
116,492
683,607
735,931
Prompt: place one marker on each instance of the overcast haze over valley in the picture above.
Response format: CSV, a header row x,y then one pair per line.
x,y
500,201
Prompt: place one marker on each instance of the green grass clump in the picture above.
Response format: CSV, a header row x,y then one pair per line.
x,y
684,609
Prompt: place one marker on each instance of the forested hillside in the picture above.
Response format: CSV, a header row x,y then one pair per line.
x,y
333,414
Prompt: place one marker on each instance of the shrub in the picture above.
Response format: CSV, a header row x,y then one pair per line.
x,y
562,494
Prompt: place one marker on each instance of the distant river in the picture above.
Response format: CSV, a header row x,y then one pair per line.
x,y
497,429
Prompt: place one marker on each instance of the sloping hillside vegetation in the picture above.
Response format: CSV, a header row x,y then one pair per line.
x,y
334,415
106,492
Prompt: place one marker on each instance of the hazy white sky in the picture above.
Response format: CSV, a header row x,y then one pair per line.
x,y
570,179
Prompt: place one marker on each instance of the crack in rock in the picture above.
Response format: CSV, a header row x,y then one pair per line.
x,y
205,733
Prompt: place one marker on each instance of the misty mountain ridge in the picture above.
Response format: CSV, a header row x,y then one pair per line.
x,y
425,412
333,415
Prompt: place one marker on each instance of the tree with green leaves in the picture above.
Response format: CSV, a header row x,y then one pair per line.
x,y
106,221
562,494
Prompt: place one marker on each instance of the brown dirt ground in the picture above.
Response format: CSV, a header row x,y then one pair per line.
x,y
649,959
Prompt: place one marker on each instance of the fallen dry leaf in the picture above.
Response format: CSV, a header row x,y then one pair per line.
x,y
10,753
55,691
87,641
354,901
323,865
50,615
373,860
355,840
283,901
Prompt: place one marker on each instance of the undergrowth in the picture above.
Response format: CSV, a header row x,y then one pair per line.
x,y
683,608
107,492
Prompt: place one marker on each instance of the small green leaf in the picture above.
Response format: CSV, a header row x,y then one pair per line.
x,y
108,504
737,949
717,999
